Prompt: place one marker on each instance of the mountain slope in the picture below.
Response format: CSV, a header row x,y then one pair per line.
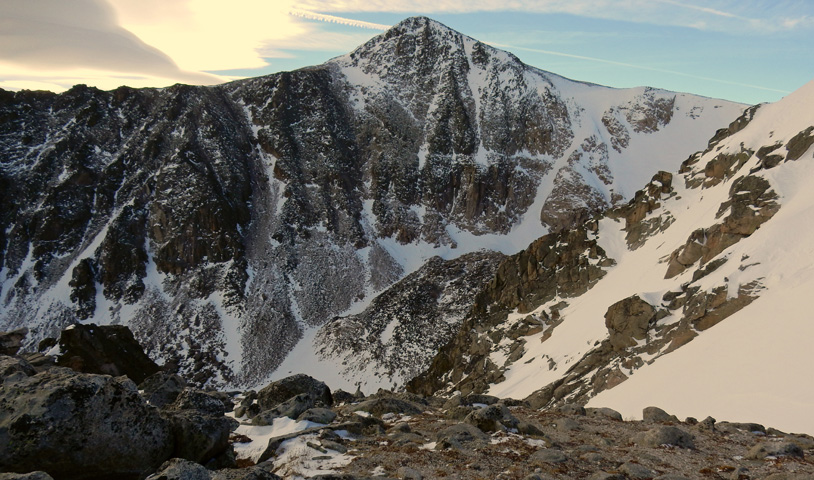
x,y
224,224
703,309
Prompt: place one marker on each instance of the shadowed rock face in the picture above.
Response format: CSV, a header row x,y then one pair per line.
x,y
219,222
78,426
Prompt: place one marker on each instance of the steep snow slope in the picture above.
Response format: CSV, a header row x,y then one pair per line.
x,y
756,363
752,365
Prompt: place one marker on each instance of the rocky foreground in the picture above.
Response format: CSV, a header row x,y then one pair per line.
x,y
73,422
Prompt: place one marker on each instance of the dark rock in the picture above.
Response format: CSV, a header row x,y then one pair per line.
x,y
458,413
180,469
341,396
800,143
100,425
657,415
282,390
628,321
107,349
665,436
11,342
567,424
258,472
265,418
162,388
200,401
473,398
707,424
199,437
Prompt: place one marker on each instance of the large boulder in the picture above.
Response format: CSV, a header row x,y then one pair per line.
x,y
200,429
628,321
281,390
108,349
162,388
74,425
11,342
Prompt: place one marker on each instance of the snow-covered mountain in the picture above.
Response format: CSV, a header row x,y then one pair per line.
x,y
693,297
226,225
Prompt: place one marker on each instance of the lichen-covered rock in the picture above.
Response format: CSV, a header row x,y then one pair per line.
x,y
282,390
180,469
75,425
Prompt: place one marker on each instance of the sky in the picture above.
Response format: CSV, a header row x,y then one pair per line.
x,y
749,51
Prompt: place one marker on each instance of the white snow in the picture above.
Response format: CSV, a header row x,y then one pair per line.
x,y
754,365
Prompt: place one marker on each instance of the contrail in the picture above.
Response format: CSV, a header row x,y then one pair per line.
x,y
339,20
640,67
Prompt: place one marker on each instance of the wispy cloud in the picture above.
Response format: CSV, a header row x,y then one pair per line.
x,y
639,67
338,20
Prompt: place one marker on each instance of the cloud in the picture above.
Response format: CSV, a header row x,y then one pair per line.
x,y
339,20
640,67
55,35
720,15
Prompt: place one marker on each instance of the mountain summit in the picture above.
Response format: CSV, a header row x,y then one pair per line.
x,y
228,225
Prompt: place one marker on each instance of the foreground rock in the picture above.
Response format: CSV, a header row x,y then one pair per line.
x,y
75,425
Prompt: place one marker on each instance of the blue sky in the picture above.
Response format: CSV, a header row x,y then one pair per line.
x,y
747,51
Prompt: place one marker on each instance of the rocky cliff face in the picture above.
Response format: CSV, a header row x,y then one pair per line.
x,y
220,223
579,312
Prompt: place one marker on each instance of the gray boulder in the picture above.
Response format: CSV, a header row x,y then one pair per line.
x,y
775,449
542,458
13,365
572,409
657,415
665,436
194,399
492,418
26,476
162,388
11,342
281,390
382,405
258,472
636,471
604,412
100,426
180,469
460,436
318,415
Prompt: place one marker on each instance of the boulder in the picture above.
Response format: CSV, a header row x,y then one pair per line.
x,y
383,405
657,415
107,349
665,436
77,425
604,412
492,418
775,449
318,415
281,390
26,476
628,321
636,471
541,458
571,409
460,436
200,429
162,388
12,342
14,365
180,469
257,472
